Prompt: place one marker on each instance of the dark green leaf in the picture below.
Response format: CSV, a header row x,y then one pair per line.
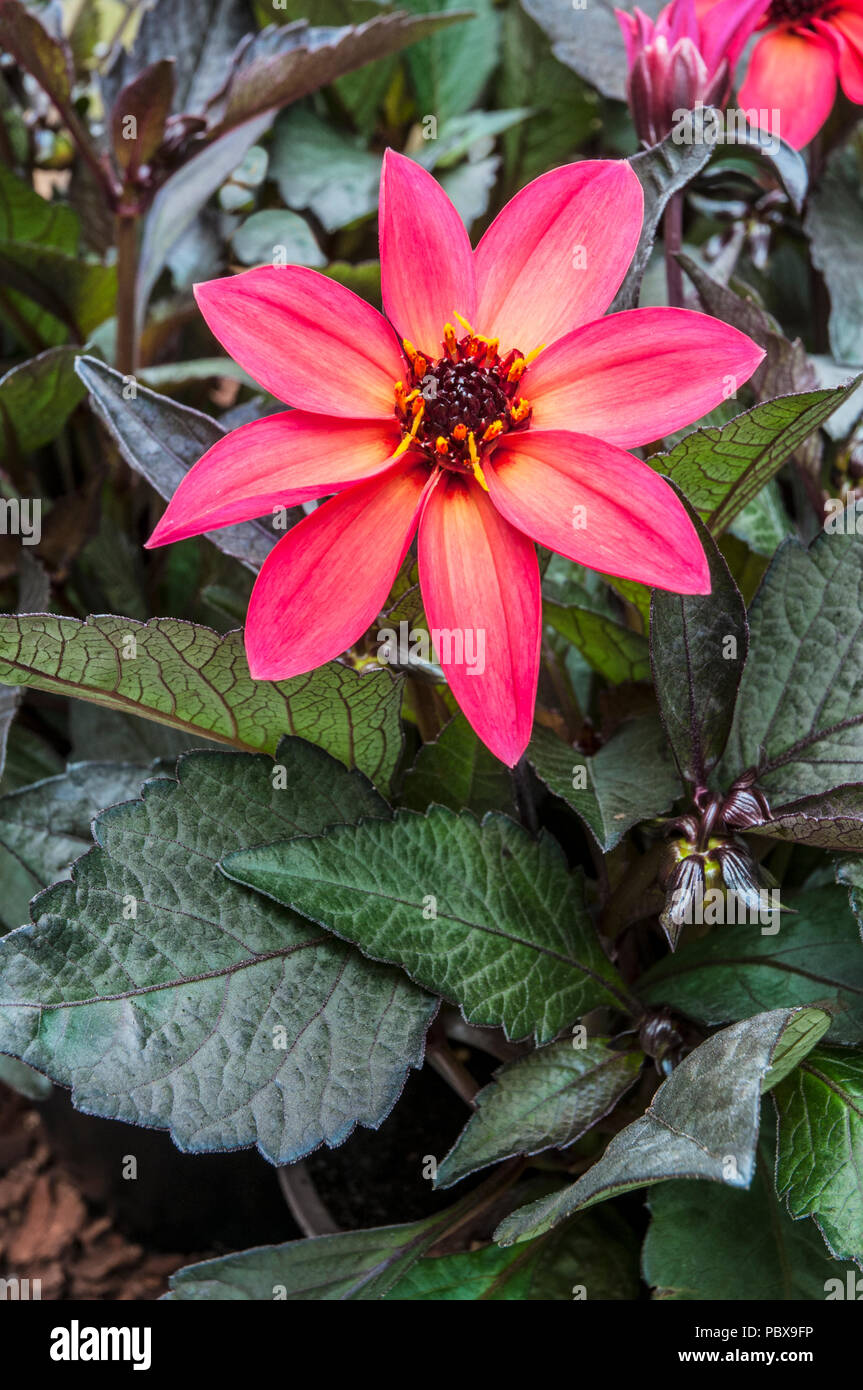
x,y
24,216
79,294
588,40
36,399
799,719
480,913
353,1265
458,771
611,648
819,1165
722,469
161,440
706,1242
167,996
192,679
701,1123
564,110
631,778
814,958
46,827
591,1258
698,646
124,737
450,68
546,1100
833,218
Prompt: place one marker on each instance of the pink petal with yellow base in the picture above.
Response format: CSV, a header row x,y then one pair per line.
x,y
634,377
306,339
480,586
278,461
327,580
427,271
599,506
556,255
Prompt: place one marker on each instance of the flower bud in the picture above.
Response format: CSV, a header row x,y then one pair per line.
x,y
679,60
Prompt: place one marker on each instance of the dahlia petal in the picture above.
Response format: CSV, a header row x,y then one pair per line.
x,y
326,581
727,27
847,27
556,255
427,271
278,461
306,339
480,585
794,76
599,506
637,376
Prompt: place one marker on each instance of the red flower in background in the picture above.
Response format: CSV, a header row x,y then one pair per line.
x,y
445,421
795,66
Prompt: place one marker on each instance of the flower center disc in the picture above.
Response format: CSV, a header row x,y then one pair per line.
x,y
795,11
453,407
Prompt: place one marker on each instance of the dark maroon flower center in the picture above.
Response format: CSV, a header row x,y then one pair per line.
x,y
796,11
454,406
462,393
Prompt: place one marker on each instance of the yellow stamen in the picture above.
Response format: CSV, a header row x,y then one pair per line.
x,y
464,323
532,356
474,458
494,429
460,432
450,342
418,362
519,410
409,438
516,370
441,445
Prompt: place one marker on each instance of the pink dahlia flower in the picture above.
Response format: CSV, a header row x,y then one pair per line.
x,y
681,59
794,68
490,409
